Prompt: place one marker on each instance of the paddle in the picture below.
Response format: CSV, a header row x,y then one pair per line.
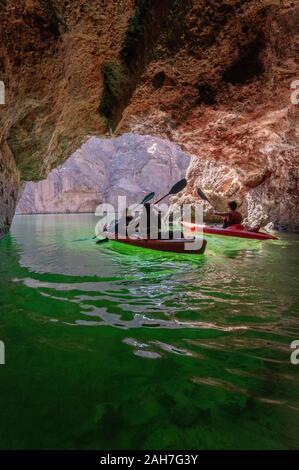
x,y
176,188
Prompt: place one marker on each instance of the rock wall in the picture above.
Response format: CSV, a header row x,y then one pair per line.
x,y
225,97
266,183
51,56
211,76
103,169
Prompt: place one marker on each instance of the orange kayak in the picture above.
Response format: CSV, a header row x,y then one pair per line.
x,y
232,231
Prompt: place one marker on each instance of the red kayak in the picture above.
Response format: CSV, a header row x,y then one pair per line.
x,y
180,245
232,231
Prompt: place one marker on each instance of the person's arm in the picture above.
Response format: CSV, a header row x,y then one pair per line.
x,y
221,214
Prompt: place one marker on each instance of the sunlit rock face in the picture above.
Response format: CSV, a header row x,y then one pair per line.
x,y
103,169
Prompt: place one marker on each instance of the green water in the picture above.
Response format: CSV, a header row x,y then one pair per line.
x,y
112,347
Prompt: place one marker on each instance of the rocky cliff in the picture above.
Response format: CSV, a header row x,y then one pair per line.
x,y
213,76
103,169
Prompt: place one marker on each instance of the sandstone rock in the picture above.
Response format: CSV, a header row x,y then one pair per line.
x,y
266,184
103,169
214,77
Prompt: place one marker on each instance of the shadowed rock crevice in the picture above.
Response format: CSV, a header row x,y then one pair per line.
x,y
151,20
213,77
55,23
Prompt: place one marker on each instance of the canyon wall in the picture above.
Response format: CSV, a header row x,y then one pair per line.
x,y
103,169
9,186
213,76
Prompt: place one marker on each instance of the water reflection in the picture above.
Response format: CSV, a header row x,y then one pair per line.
x,y
149,289
228,317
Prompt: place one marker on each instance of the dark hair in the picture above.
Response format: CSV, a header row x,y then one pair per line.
x,y
232,205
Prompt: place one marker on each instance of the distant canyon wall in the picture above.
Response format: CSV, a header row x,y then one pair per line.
x,y
103,169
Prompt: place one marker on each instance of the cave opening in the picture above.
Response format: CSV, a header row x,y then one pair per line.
x,y
101,170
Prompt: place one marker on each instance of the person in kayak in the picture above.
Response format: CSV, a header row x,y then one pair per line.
x,y
232,216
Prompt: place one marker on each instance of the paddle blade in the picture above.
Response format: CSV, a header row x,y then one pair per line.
x,y
147,198
178,187
202,195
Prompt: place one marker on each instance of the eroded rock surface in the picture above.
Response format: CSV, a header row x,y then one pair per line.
x,y
103,169
9,186
254,161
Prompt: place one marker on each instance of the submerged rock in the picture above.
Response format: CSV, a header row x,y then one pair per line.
x,y
103,169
